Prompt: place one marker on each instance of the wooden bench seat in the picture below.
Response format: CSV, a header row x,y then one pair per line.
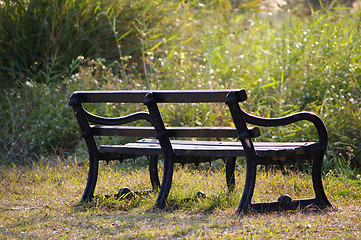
x,y
278,152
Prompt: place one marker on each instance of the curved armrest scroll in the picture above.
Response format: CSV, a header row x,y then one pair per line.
x,y
276,122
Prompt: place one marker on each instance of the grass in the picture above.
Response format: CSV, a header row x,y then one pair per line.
x,y
60,32
41,201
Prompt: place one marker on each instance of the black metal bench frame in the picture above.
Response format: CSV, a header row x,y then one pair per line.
x,y
313,151
181,151
92,125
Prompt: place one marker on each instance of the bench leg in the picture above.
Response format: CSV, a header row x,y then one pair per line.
x,y
321,198
249,185
153,172
92,178
230,177
167,180
285,202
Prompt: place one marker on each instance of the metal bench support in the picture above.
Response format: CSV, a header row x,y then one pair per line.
x,y
253,159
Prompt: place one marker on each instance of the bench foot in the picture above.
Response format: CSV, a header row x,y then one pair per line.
x,y
321,197
285,203
168,175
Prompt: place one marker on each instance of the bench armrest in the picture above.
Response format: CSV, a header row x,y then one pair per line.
x,y
240,119
282,121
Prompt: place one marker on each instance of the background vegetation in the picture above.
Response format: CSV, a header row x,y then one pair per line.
x,y
287,62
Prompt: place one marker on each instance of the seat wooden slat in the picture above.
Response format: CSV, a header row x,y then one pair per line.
x,y
209,148
270,145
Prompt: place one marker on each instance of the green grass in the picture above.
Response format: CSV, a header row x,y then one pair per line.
x,y
41,201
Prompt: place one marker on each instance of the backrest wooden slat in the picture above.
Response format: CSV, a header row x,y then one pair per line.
x,y
109,96
199,132
195,96
162,96
123,131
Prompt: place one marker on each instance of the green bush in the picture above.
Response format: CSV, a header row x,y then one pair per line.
x,y
35,120
36,117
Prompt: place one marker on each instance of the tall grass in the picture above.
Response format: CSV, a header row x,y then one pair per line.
x,y
41,39
286,66
287,63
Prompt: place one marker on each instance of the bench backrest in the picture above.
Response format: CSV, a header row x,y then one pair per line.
x,y
152,100
104,126
92,125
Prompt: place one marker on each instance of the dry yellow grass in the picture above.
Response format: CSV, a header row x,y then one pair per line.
x,y
42,202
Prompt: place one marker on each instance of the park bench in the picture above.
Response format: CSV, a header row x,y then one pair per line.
x,y
92,126
177,144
